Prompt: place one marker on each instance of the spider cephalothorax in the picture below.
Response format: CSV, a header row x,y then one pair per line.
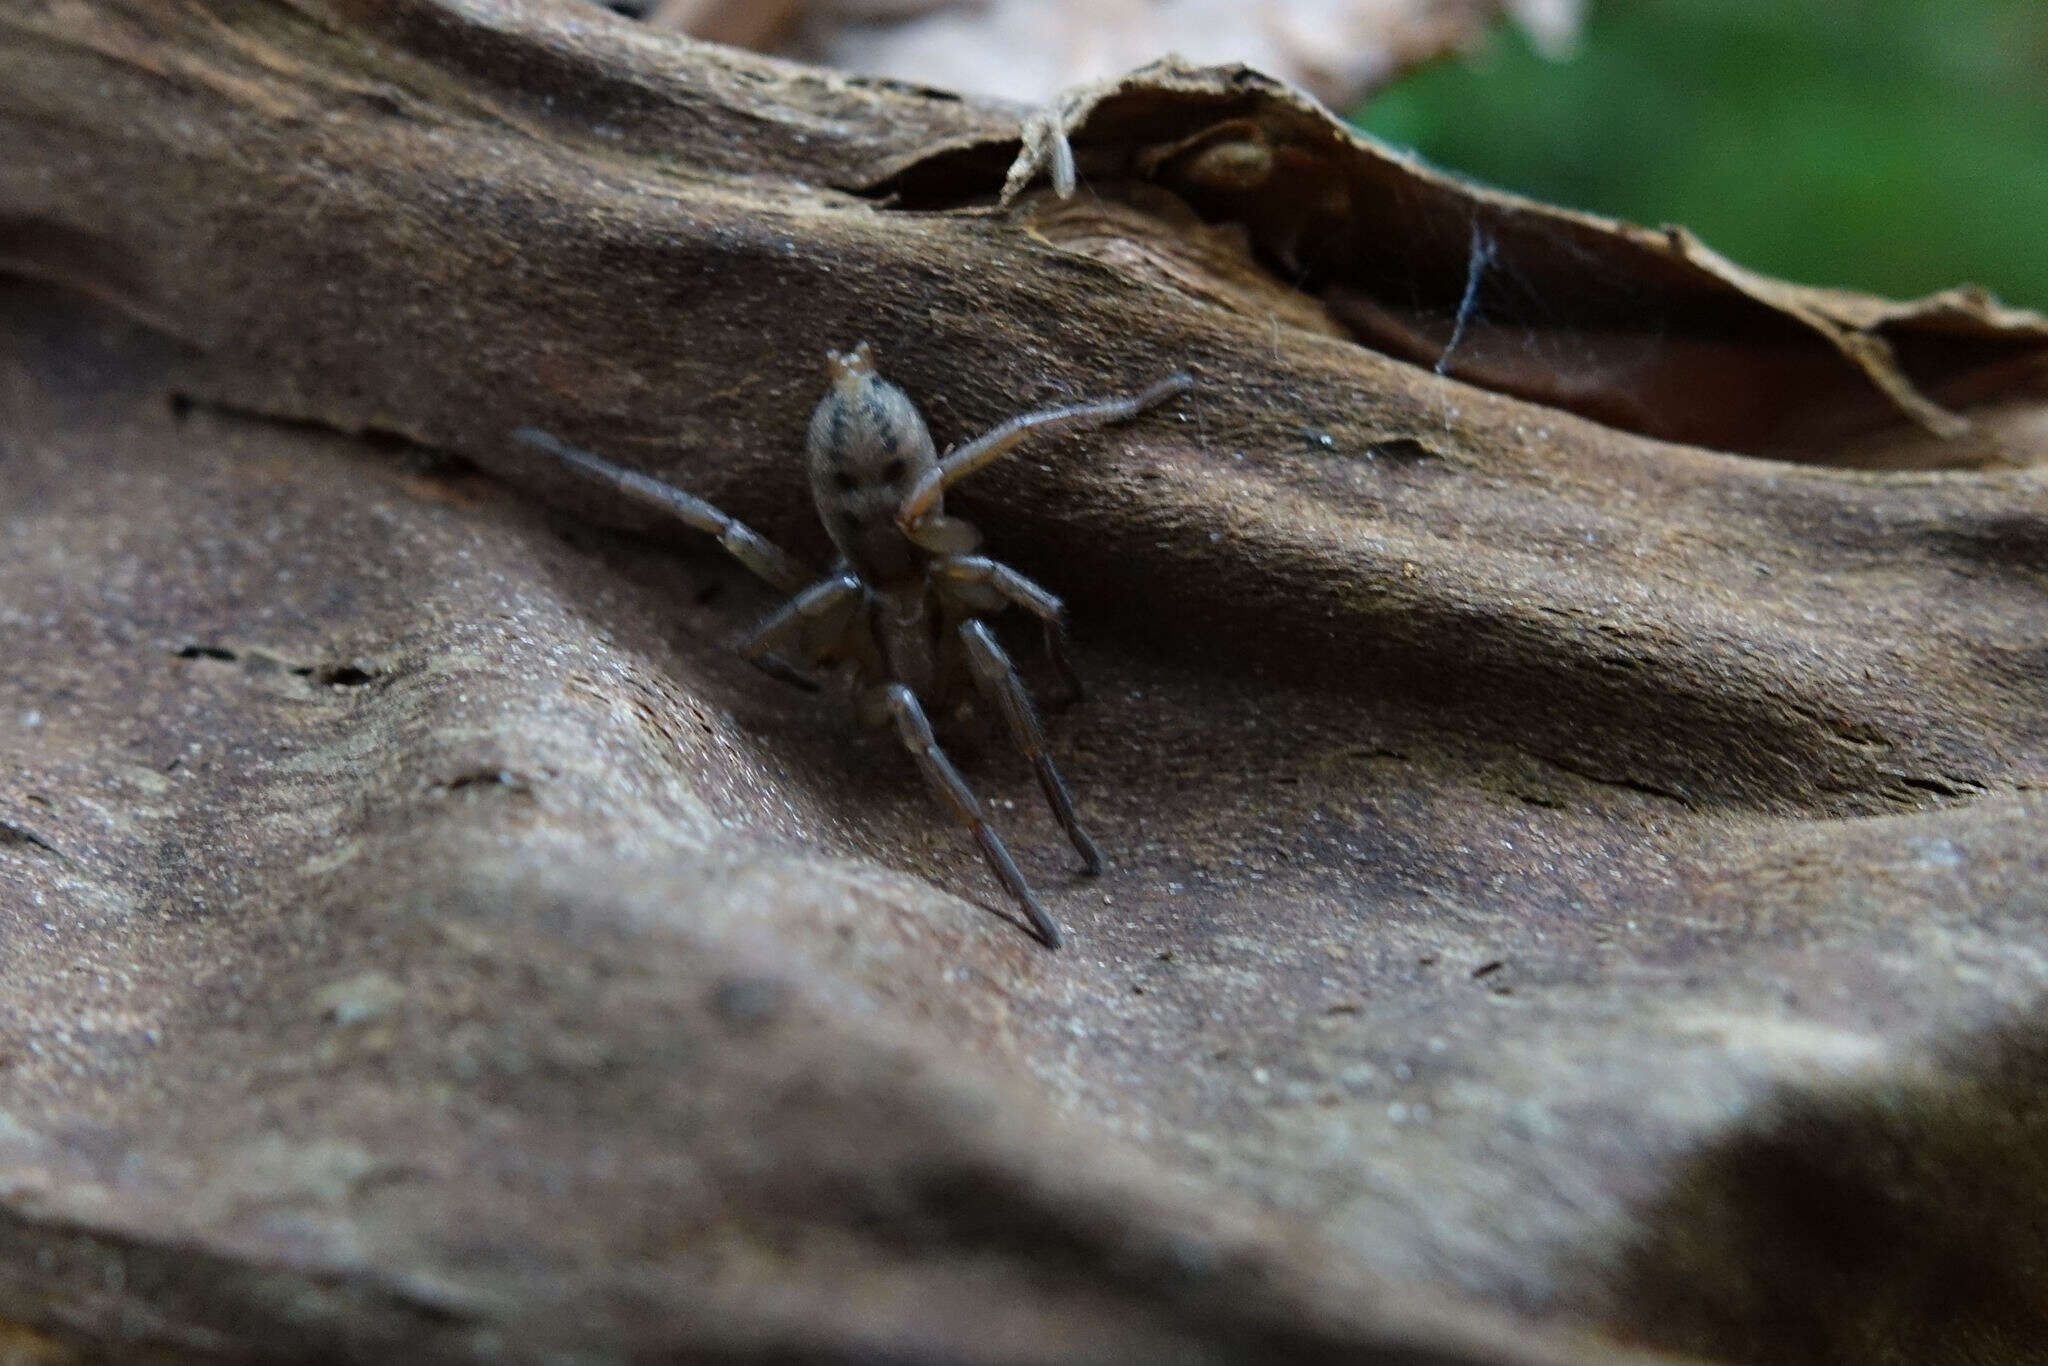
x,y
902,608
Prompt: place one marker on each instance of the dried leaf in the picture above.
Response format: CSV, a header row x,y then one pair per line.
x,y
1029,50
1649,331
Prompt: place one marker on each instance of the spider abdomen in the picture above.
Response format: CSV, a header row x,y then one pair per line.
x,y
867,446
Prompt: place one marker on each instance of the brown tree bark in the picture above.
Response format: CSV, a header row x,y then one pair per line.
x,y
1569,764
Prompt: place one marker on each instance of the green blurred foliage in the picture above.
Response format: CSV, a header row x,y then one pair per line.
x,y
1896,146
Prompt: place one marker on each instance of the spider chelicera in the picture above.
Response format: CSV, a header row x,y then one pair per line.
x,y
902,607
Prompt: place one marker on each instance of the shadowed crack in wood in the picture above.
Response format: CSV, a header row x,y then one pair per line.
x,y
1732,765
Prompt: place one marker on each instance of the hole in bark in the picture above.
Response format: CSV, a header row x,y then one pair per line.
x,y
1402,450
502,778
21,836
338,675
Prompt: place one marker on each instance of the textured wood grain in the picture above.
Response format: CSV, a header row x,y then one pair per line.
x,y
1532,837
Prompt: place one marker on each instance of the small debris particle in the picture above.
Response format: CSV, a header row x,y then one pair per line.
x,y
354,1000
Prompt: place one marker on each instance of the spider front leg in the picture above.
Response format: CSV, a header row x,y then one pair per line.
x,y
766,559
996,679
829,601
900,704
1002,584
923,496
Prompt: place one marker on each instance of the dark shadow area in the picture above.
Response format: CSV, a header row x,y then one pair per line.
x,y
1905,1221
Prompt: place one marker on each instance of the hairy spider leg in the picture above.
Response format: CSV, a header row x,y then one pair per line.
x,y
997,681
951,789
1014,588
830,601
997,441
759,554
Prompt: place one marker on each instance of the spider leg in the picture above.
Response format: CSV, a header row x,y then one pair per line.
x,y
821,602
954,794
1019,591
766,559
996,679
994,443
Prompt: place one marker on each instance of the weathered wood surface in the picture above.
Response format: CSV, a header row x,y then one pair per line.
x,y
1565,882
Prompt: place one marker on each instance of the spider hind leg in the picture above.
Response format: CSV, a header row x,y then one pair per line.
x,y
996,679
915,730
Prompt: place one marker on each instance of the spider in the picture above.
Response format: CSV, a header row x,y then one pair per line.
x,y
902,608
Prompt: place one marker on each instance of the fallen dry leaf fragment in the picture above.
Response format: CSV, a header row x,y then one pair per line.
x,y
1650,331
1029,50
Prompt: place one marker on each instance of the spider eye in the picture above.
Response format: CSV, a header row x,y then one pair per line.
x,y
845,482
893,471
